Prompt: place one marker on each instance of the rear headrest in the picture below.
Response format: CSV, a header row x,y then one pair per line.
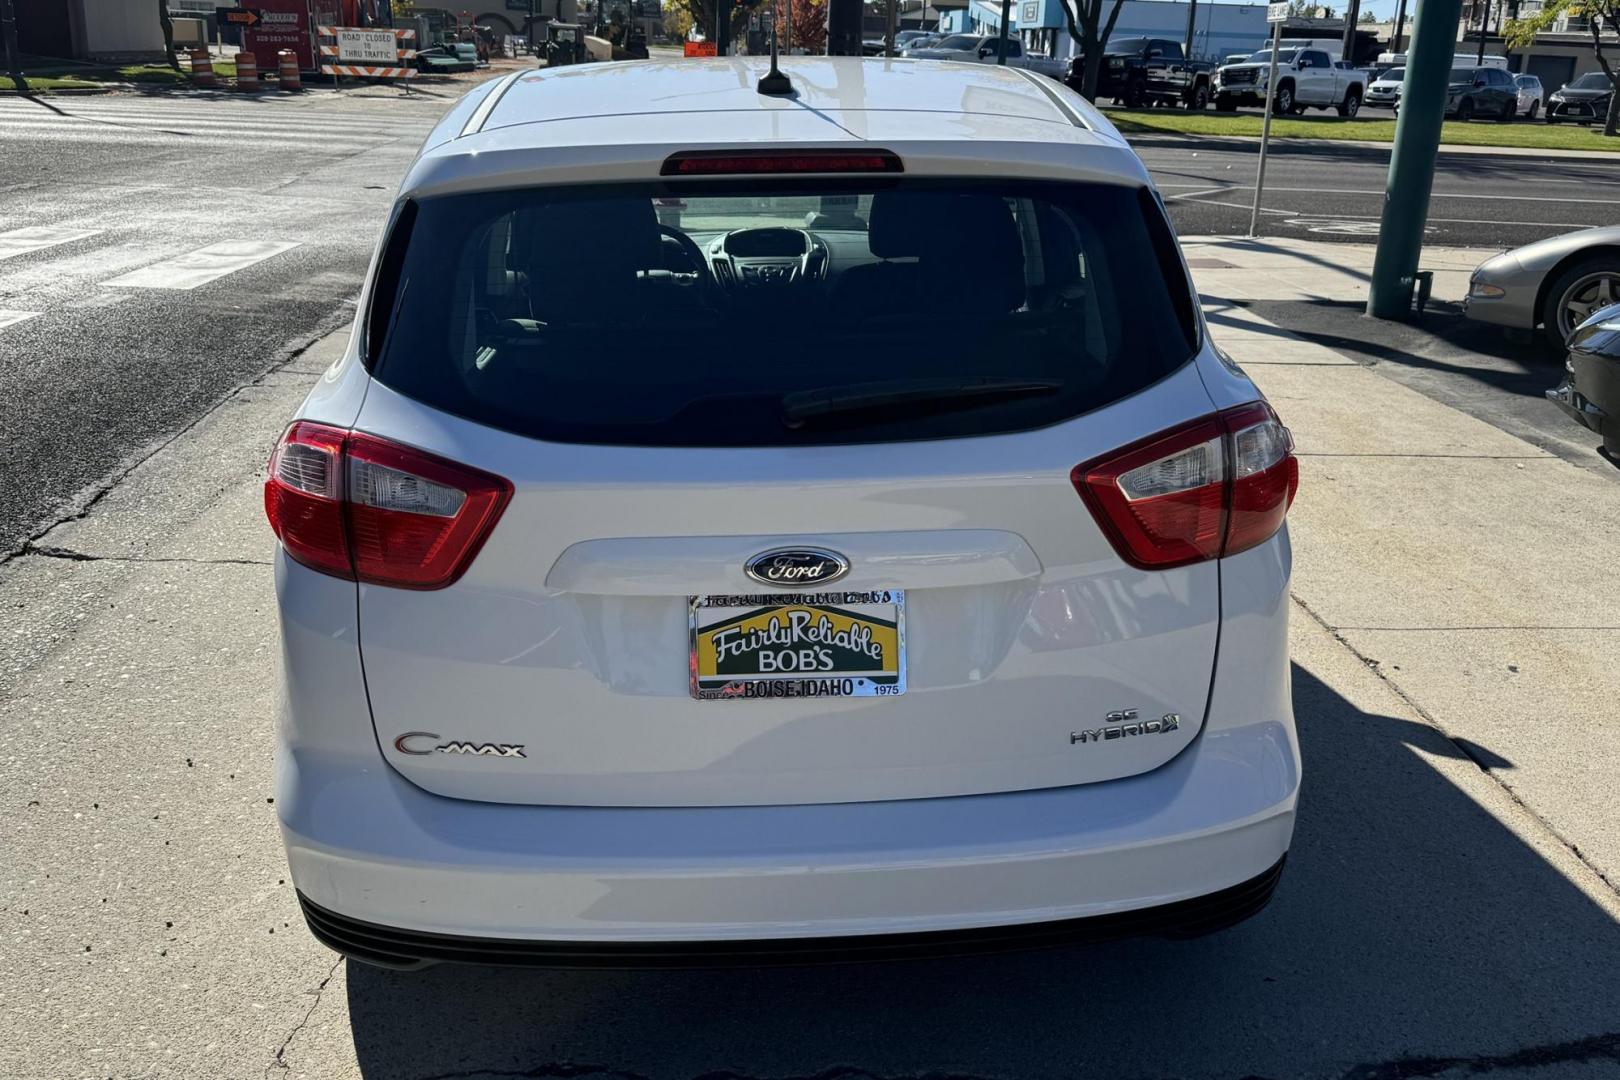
x,y
583,254
899,222
975,243
953,234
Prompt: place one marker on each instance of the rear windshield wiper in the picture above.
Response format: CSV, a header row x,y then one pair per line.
x,y
803,406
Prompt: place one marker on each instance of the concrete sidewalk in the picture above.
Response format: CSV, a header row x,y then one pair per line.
x,y
1436,918
1469,568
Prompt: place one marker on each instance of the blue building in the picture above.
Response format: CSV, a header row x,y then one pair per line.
x,y
1219,29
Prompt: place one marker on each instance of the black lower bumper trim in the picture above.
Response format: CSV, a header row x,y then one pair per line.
x,y
407,949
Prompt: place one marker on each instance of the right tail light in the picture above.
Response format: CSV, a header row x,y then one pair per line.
x,y
1211,488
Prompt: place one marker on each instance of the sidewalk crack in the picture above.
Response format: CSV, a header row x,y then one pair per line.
x,y
48,551
320,989
1463,749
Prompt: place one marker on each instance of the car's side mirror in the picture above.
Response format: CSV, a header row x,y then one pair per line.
x,y
985,50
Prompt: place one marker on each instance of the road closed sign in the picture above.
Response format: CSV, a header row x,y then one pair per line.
x,y
367,46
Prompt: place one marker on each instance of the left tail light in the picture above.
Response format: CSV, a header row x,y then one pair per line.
x,y
360,507
1211,488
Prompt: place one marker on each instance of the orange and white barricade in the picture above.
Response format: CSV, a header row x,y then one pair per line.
x,y
334,61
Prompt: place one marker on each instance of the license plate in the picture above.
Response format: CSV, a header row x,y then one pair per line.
x,y
822,644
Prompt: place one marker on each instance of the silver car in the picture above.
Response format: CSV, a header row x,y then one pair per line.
x,y
1554,284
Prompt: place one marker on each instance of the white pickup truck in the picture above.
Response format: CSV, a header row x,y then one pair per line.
x,y
1307,77
981,49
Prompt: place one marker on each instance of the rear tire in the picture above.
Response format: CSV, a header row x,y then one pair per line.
x,y
1199,99
1510,112
1465,110
1350,105
1534,106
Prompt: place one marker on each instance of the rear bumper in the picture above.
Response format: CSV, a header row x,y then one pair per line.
x,y
406,949
373,848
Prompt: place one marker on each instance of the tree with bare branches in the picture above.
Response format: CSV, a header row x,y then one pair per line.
x,y
1090,31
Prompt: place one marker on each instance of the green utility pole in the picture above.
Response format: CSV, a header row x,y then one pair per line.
x,y
8,31
1411,164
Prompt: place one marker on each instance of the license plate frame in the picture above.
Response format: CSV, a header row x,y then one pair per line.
x,y
845,624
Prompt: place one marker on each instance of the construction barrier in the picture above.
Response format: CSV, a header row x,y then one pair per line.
x,y
247,71
335,61
202,68
288,74
702,48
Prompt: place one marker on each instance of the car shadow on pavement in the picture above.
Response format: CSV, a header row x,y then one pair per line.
x,y
1413,933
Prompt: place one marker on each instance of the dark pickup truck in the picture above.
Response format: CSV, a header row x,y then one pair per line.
x,y
1147,71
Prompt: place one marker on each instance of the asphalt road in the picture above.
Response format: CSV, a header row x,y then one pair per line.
x,y
98,368
1335,191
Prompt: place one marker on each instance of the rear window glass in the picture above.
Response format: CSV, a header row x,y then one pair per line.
x,y
773,316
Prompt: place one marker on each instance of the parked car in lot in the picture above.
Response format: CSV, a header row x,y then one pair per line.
x,y
696,597
1475,92
1147,71
1555,284
1584,101
1384,91
1590,392
1306,78
1529,88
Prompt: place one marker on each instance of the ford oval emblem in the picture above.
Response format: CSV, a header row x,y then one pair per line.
x,y
797,567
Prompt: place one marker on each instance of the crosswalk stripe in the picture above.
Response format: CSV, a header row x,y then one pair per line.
x,y
35,128
38,237
12,318
199,267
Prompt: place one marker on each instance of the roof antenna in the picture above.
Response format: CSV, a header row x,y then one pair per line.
x,y
775,81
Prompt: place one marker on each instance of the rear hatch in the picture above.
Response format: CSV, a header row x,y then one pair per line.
x,y
791,514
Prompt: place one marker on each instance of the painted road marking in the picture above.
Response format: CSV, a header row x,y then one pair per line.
x,y
1361,191
199,267
12,318
39,237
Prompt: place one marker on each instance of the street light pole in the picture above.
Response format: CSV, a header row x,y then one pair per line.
x,y
1400,26
1484,17
1001,44
1411,164
1276,13
1192,15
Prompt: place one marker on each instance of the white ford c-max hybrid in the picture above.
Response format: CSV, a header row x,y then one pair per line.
x,y
779,522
